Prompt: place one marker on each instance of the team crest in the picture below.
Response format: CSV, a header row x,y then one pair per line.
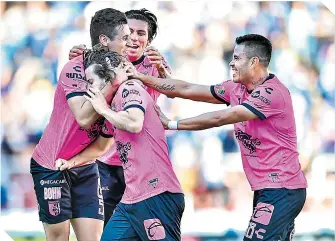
x,y
219,89
54,208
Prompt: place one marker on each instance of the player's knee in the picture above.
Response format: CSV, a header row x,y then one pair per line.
x,y
56,233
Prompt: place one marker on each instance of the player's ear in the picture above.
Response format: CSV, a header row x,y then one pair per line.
x,y
254,61
103,39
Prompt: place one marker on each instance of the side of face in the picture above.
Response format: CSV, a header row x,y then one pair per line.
x,y
93,79
240,65
121,40
139,34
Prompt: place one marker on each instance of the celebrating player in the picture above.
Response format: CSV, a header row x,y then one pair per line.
x,y
75,194
147,60
264,123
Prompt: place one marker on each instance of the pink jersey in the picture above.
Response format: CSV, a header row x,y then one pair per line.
x,y
111,157
63,137
268,144
145,157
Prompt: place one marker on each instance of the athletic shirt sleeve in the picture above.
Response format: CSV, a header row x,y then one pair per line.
x,y
72,79
265,101
222,91
134,96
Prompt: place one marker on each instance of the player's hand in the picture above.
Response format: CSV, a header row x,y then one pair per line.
x,y
154,56
62,164
122,72
76,51
162,117
97,100
132,71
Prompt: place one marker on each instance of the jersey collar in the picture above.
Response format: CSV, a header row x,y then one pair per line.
x,y
140,60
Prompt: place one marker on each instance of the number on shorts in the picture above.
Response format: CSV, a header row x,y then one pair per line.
x,y
250,231
101,201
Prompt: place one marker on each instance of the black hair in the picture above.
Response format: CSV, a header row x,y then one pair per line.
x,y
102,68
258,45
105,22
146,16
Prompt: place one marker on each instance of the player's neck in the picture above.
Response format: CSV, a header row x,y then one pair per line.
x,y
257,80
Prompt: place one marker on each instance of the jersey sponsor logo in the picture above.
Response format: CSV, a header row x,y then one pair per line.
x,y
125,93
274,177
130,83
75,76
140,102
134,92
153,182
154,229
52,193
146,66
268,90
77,68
54,208
52,182
247,140
263,213
123,150
257,95
264,100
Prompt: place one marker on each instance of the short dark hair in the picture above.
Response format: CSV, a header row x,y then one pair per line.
x,y
146,16
105,22
258,45
102,69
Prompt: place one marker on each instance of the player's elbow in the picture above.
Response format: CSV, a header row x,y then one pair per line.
x,y
135,127
228,117
84,123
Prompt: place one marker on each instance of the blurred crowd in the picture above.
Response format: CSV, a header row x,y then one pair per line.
x,y
197,39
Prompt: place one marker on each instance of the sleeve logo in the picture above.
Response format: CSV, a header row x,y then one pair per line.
x,y
220,89
125,93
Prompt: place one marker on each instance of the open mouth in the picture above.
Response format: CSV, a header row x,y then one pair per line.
x,y
134,46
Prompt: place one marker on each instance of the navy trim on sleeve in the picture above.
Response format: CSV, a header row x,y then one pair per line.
x,y
73,94
217,97
135,106
104,135
255,111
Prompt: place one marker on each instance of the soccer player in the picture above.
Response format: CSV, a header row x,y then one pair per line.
x,y
263,119
147,60
74,195
153,203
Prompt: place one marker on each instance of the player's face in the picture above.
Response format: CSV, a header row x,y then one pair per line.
x,y
240,65
93,79
121,41
139,36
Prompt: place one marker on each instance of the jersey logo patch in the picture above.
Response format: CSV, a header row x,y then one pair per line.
x,y
123,151
247,140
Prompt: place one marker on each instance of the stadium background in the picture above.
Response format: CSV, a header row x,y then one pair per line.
x,y
197,39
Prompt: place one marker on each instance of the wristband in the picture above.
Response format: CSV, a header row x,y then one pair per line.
x,y
173,125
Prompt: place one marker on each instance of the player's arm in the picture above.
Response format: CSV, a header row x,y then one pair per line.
x,y
209,120
178,88
83,110
72,80
91,153
131,119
